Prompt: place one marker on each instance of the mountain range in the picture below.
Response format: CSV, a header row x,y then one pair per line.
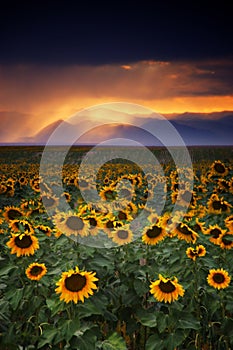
x,y
194,128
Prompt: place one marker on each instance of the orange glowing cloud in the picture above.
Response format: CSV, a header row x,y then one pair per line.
x,y
33,96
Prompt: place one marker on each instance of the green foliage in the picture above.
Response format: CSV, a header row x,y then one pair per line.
x,y
121,314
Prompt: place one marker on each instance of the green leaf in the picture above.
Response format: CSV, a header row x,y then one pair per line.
x,y
140,287
16,298
5,270
147,318
91,307
193,324
162,322
115,341
69,327
55,305
174,339
227,327
47,336
85,338
154,342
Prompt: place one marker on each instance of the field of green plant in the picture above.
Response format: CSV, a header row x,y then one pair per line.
x,y
161,283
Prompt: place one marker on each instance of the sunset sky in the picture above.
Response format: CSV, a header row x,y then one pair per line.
x,y
58,57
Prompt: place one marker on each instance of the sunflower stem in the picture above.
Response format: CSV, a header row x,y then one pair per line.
x,y
222,303
197,301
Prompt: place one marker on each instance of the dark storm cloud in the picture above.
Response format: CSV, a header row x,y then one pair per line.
x,y
67,32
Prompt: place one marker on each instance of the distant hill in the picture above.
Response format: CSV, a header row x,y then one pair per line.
x,y
194,128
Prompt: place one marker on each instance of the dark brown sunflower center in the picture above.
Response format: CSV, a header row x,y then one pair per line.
x,y
75,282
200,251
109,224
36,270
122,234
217,205
48,201
122,215
215,232
25,242
219,168
185,230
74,223
44,229
153,232
197,227
13,214
223,207
193,252
93,222
225,184
167,287
218,278
226,241
109,194
67,196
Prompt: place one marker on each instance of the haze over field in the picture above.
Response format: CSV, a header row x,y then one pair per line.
x,y
194,128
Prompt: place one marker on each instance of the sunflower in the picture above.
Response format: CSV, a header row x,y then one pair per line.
x,y
194,253
183,231
215,231
153,218
3,188
23,244
36,271
71,224
229,223
166,289
184,198
74,285
218,205
198,226
108,193
123,215
154,233
132,209
110,224
44,229
122,235
218,168
67,196
12,213
49,201
225,241
95,223
21,226
35,184
218,278
231,185
223,185
23,180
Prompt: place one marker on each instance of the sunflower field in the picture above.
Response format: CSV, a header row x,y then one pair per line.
x,y
163,282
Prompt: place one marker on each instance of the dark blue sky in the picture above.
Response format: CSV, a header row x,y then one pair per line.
x,y
65,32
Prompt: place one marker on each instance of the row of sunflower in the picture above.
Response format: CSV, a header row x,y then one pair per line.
x,y
169,288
